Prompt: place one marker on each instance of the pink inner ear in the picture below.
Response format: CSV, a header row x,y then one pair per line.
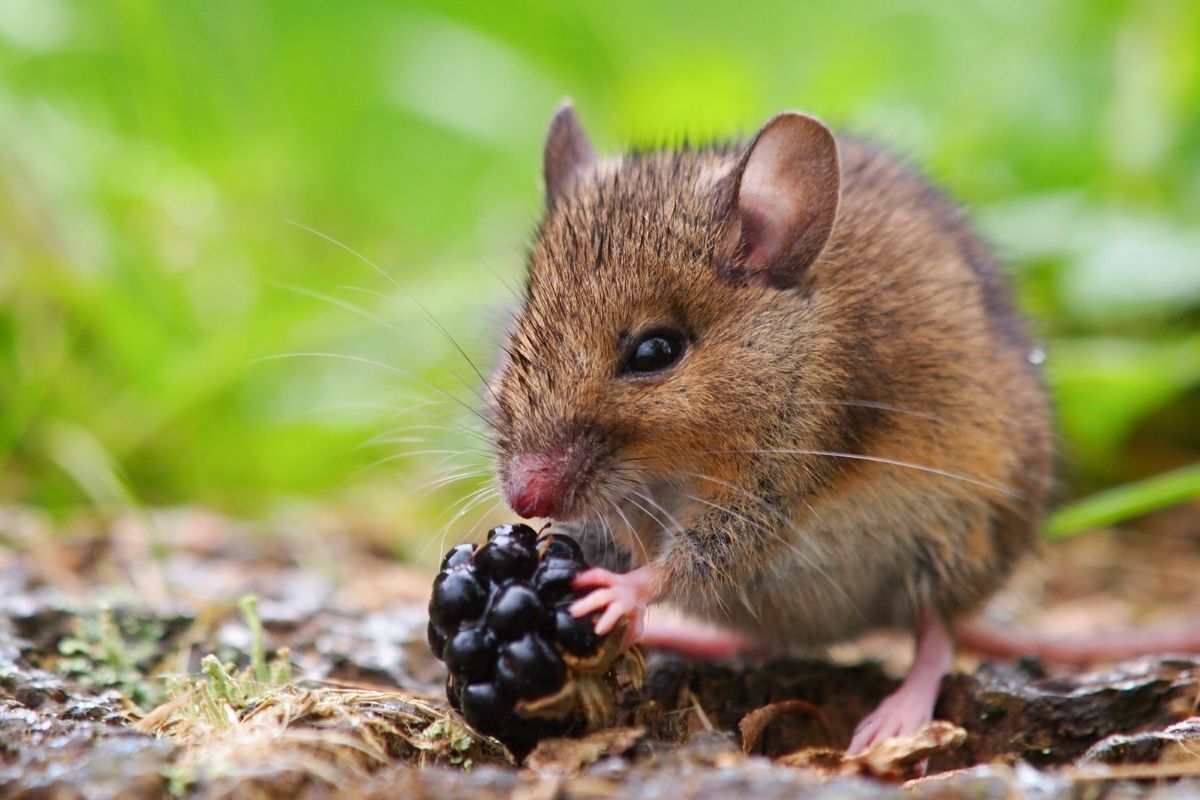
x,y
761,229
768,199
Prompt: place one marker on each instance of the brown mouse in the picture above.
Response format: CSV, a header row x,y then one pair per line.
x,y
788,377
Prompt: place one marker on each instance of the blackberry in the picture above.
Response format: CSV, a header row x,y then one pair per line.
x,y
521,667
516,610
470,654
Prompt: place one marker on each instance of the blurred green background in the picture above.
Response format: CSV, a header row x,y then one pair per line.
x,y
155,155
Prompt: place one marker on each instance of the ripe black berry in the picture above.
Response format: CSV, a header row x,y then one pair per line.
x,y
486,709
576,635
519,532
437,639
499,618
564,547
469,654
516,610
506,557
458,556
457,596
454,693
554,577
529,668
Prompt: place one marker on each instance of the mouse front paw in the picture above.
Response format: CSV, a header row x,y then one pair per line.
x,y
622,596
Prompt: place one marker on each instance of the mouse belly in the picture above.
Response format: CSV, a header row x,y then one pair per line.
x,y
833,585
801,605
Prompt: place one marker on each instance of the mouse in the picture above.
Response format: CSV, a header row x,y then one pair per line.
x,y
789,381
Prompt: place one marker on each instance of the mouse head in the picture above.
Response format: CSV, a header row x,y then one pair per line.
x,y
651,312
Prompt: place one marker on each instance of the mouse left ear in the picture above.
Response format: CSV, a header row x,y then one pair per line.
x,y
777,207
568,153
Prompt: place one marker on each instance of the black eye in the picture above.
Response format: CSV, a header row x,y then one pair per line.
x,y
655,351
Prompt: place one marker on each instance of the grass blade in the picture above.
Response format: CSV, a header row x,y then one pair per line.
x,y
1125,502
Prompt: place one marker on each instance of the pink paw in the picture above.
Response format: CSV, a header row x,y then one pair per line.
x,y
900,714
621,596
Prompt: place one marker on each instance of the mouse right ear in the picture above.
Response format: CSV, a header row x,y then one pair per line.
x,y
778,205
567,154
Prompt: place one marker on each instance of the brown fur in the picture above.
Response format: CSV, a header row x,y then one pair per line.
x,y
898,342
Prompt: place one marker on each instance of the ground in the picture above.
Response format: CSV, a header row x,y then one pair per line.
x,y
105,688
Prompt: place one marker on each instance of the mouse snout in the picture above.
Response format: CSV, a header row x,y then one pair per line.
x,y
539,485
537,496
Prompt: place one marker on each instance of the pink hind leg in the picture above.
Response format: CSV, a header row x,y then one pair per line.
x,y
910,707
694,639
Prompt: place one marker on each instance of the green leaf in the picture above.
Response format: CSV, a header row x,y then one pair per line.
x,y
1125,502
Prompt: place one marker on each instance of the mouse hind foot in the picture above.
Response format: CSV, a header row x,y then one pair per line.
x,y
910,707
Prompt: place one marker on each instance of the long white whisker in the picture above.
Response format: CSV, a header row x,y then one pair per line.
x,y
348,249
875,459
438,428
667,530
870,404
443,481
469,502
632,530
440,328
378,365
343,304
441,537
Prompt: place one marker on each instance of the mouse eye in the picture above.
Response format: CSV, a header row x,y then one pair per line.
x,y
653,352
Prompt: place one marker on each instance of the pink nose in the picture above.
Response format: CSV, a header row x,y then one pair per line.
x,y
537,487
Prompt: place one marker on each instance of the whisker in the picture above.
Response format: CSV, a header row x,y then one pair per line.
x,y
610,544
863,457
506,283
870,404
348,249
454,343
388,277
362,405
437,326
910,465
467,503
343,304
632,530
379,365
443,481
441,537
425,452
438,428
606,533
667,530
487,512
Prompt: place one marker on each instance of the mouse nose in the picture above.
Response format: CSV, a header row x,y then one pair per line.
x,y
537,486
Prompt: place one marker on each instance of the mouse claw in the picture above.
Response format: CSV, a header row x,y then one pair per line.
x,y
618,596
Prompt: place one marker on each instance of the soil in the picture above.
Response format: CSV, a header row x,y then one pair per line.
x,y
104,689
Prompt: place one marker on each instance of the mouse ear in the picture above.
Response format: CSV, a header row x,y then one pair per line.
x,y
779,204
567,154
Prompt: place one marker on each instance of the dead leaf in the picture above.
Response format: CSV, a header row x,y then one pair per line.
x,y
825,761
754,725
568,757
896,758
